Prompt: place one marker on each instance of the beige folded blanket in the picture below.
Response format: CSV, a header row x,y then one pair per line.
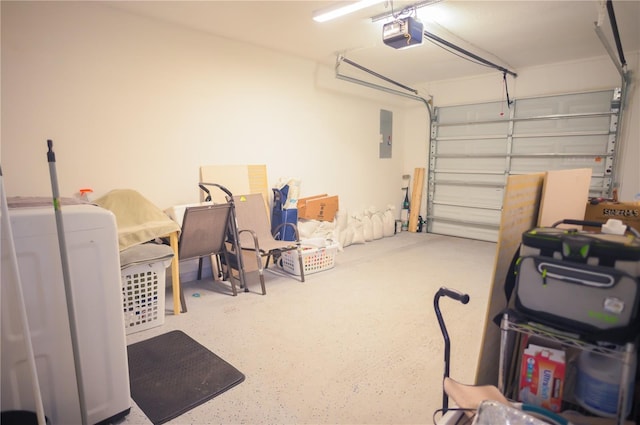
x,y
137,218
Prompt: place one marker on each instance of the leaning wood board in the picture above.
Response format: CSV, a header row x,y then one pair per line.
x,y
416,198
529,201
519,214
239,179
564,195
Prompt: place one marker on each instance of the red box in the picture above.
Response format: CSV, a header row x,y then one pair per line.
x,y
542,377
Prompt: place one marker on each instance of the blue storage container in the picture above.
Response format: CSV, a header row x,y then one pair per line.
x,y
280,216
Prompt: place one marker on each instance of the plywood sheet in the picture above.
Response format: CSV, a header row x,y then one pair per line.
x,y
564,195
257,176
519,214
530,200
239,179
416,198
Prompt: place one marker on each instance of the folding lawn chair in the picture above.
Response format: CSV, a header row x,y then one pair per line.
x,y
205,231
255,234
234,261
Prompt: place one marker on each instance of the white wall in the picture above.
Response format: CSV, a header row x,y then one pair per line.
x,y
135,103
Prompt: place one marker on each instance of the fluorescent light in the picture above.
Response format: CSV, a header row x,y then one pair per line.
x,y
336,12
388,16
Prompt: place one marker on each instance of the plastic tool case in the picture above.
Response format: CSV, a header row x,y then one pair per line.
x,y
582,282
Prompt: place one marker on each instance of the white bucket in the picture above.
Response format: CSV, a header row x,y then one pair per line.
x,y
598,384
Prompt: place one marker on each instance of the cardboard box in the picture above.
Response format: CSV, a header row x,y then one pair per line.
x,y
542,377
627,212
318,207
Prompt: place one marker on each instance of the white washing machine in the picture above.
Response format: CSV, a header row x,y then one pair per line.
x,y
94,263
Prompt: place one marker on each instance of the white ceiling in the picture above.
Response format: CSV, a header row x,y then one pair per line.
x,y
512,34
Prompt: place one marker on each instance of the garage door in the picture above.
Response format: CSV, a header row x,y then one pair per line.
x,y
474,148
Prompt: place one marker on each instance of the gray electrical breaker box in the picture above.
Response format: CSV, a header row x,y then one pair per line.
x,y
386,131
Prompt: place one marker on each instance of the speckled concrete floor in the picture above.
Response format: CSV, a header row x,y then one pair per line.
x,y
357,344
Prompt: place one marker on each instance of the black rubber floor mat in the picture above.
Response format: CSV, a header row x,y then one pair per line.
x,y
172,373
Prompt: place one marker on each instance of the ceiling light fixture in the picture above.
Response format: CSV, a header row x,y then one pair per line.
x,y
343,9
390,16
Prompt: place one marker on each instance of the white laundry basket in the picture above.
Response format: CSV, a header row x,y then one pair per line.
x,y
317,256
143,295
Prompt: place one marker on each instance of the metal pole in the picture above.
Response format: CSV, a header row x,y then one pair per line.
x,y
31,360
382,77
340,59
616,33
66,277
468,53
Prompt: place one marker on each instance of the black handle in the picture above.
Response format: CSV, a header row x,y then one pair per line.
x,y
205,190
591,224
452,293
202,185
51,156
464,299
577,223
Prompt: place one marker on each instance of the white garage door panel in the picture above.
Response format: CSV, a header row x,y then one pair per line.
x,y
578,103
597,183
471,113
485,197
472,146
595,145
469,215
533,165
475,130
491,180
473,149
470,164
488,234
555,126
